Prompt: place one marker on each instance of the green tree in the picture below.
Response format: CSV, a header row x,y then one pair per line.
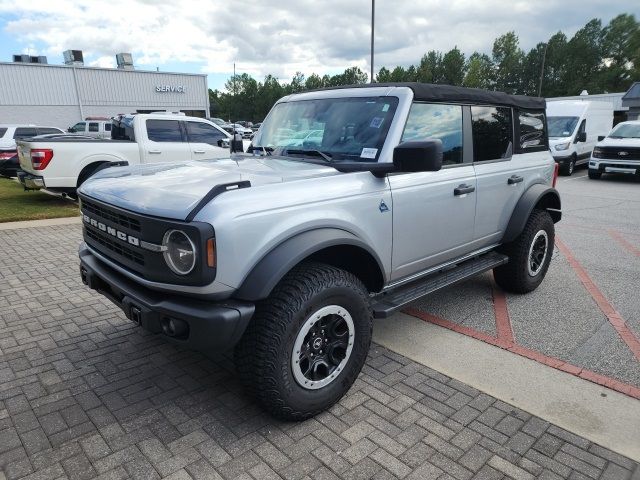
x,y
508,59
621,51
398,74
584,59
453,64
531,69
313,82
383,76
479,72
555,67
430,68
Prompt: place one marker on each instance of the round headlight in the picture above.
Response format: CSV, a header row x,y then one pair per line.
x,y
180,253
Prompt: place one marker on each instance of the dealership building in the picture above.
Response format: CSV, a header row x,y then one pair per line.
x,y
32,91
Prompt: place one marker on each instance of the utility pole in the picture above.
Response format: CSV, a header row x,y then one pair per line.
x,y
233,104
373,14
544,57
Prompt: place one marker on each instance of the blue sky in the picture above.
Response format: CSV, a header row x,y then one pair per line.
x,y
281,37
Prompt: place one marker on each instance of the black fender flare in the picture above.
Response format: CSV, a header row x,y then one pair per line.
x,y
538,194
265,275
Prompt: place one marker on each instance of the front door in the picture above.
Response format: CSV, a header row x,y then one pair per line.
x,y
204,141
433,212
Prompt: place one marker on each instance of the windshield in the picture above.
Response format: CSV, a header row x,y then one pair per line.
x,y
626,130
353,128
561,126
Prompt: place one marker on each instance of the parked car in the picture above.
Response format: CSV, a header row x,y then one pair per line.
x,y
62,164
93,127
574,127
9,163
256,126
228,127
289,253
242,130
618,152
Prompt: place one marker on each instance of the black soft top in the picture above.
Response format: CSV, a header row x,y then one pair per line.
x,y
448,93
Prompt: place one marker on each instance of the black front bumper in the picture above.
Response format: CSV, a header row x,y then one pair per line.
x,y
211,325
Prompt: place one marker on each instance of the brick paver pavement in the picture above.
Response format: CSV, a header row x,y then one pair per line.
x,y
85,394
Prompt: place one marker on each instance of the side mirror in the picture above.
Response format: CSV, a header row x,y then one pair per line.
x,y
70,129
236,144
424,156
581,137
601,137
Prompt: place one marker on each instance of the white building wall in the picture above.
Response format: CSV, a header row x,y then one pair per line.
x,y
60,95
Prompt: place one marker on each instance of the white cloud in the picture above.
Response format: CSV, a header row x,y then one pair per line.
x,y
282,37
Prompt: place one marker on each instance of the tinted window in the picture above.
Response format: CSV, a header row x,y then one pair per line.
x,y
94,127
78,127
164,130
2,132
47,131
532,130
204,133
25,132
107,127
492,133
443,122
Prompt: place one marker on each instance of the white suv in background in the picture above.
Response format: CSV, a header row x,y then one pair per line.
x,y
97,128
9,162
618,152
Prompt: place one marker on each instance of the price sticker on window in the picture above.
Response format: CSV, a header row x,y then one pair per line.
x,y
369,153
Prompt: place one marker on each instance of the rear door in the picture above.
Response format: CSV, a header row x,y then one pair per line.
x,y
205,141
166,142
433,212
500,183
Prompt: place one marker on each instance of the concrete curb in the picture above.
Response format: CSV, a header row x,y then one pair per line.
x,y
596,413
49,222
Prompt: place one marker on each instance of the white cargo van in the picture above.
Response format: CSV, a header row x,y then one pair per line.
x,y
574,127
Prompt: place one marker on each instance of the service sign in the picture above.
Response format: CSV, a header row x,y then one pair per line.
x,y
171,88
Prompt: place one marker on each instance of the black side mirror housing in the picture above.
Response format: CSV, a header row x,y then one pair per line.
x,y
235,145
420,156
581,137
601,137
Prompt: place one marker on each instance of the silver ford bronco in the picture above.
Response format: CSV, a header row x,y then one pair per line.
x,y
349,204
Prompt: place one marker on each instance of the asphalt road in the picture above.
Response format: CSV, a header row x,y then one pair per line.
x,y
598,239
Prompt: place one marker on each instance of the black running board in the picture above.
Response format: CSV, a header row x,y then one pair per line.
x,y
390,302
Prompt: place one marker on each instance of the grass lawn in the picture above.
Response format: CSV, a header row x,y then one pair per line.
x,y
16,204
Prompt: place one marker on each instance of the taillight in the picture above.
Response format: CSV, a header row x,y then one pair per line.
x,y
555,174
6,155
40,158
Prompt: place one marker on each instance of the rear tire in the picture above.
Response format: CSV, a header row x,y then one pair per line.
x,y
307,342
594,174
529,255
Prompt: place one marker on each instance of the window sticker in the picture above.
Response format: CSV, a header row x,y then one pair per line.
x,y
369,153
385,108
376,122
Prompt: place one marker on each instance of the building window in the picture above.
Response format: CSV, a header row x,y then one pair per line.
x,y
432,120
492,133
164,131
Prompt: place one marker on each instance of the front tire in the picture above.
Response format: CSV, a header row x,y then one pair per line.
x,y
569,168
594,174
307,342
529,255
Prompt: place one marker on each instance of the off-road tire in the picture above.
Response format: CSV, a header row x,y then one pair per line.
x,y
594,174
514,276
263,355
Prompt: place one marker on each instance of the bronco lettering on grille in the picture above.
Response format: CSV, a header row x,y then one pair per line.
x,y
111,231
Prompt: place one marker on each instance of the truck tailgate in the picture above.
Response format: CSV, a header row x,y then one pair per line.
x,y
24,154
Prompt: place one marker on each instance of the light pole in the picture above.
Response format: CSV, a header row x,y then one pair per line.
x,y
373,14
544,57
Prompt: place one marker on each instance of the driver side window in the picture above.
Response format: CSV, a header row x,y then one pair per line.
x,y
434,120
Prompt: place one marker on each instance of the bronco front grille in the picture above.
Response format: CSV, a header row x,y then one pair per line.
x,y
114,246
114,217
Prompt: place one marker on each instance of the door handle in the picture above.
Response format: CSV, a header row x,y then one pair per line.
x,y
199,151
513,179
463,189
154,152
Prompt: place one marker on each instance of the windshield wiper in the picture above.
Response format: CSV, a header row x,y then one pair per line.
x,y
315,152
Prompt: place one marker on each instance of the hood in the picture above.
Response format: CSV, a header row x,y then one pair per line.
x,y
619,142
173,190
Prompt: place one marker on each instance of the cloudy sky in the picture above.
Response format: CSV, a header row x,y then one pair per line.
x,y
280,37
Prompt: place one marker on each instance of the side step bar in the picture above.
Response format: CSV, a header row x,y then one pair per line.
x,y
389,302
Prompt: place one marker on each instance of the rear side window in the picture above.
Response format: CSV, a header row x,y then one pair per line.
x,y
78,127
107,127
47,131
533,131
492,133
2,132
25,132
200,132
94,127
444,122
164,130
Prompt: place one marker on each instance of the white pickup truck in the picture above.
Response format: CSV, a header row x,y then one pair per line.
x,y
63,163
